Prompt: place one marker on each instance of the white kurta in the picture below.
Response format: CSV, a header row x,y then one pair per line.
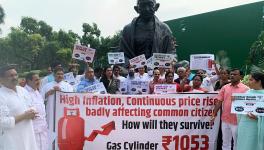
x,y
13,136
40,123
50,106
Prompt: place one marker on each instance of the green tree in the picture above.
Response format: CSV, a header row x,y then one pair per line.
x,y
107,44
91,35
256,55
26,47
64,55
2,15
29,25
45,30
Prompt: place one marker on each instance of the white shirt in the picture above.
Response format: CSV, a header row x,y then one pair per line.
x,y
144,77
65,87
208,82
40,123
120,78
13,136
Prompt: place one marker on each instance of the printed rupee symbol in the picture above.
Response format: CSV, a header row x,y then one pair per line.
x,y
186,142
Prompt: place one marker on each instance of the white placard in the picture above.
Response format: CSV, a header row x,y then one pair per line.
x,y
98,88
248,103
150,63
165,88
83,53
139,61
68,77
116,58
162,60
139,87
123,87
201,61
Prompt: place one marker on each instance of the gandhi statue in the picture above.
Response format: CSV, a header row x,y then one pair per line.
x,y
146,34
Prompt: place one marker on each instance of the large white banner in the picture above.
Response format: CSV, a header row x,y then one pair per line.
x,y
160,122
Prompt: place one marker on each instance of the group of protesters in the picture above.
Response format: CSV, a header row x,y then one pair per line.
x,y
39,96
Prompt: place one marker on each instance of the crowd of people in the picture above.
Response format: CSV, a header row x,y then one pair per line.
x,y
22,122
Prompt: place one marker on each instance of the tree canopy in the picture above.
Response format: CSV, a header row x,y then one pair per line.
x,y
34,44
2,15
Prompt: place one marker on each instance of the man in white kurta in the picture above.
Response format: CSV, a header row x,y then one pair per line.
x,y
16,129
40,123
48,93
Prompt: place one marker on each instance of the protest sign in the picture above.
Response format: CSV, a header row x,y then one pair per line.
x,y
201,61
123,87
150,66
116,58
139,61
162,60
169,122
98,88
248,103
68,77
83,53
150,63
165,88
139,87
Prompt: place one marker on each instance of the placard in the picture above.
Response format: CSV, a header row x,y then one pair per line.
x,y
68,77
83,53
248,103
139,87
165,88
98,88
116,58
162,60
201,61
138,62
123,87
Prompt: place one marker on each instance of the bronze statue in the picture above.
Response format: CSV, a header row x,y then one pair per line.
x,y
146,34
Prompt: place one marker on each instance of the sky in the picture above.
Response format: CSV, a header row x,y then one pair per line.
x,y
110,15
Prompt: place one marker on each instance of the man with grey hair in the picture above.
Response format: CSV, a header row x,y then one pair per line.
x,y
181,71
146,34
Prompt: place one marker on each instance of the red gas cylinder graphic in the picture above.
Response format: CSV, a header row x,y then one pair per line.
x,y
71,130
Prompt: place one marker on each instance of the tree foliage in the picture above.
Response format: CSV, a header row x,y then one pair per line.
x,y
256,55
2,15
34,44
